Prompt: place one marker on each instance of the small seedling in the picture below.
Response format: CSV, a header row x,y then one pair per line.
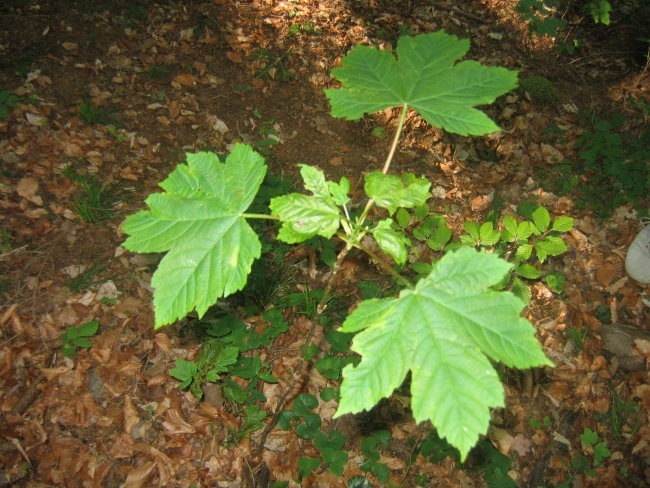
x,y
212,361
620,414
541,15
379,132
8,101
370,447
577,336
250,419
119,136
599,10
75,338
537,425
93,115
494,465
272,66
157,71
269,137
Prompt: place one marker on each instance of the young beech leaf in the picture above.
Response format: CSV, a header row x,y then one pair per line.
x,y
391,241
304,216
199,220
391,192
425,77
445,331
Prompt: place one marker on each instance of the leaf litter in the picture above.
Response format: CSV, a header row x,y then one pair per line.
x,y
113,416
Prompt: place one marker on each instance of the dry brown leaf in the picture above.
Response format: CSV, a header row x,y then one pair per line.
x,y
481,202
234,57
27,188
131,418
70,46
136,478
175,423
185,79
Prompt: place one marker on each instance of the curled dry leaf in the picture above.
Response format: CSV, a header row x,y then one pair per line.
x,y
481,202
27,188
136,478
70,46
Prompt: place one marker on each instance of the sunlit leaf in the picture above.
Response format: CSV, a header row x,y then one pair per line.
x,y
445,331
427,77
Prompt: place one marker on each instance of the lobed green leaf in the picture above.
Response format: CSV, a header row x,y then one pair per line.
x,y
426,77
199,220
443,332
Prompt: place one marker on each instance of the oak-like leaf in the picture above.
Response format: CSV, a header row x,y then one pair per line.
x,y
425,77
445,331
199,220
305,216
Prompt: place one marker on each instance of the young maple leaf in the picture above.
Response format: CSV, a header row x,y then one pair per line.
x,y
445,331
425,77
200,220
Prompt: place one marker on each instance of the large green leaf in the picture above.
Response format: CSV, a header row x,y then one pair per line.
x,y
425,77
445,331
199,220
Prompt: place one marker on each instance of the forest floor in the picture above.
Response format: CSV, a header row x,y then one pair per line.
x,y
107,97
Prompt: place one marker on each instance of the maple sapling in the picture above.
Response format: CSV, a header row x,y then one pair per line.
x,y
446,329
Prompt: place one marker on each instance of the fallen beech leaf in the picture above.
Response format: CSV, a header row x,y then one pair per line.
x,y
234,57
36,119
136,478
185,79
481,202
336,161
131,418
27,188
521,445
606,273
175,423
502,439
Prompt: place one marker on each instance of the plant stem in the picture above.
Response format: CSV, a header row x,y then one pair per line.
x,y
260,216
398,133
389,159
385,266
322,304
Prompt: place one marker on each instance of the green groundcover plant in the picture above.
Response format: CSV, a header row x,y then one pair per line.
x,y
447,329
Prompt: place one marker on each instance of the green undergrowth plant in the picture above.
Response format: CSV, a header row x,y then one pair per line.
x,y
526,240
615,161
307,424
541,16
446,329
75,338
222,356
93,115
592,454
8,101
